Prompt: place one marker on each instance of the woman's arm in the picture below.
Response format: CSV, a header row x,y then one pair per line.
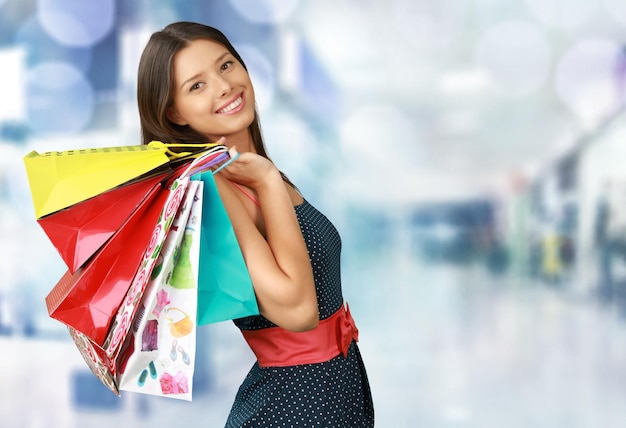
x,y
278,263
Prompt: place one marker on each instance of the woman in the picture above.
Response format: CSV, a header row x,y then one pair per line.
x,y
193,87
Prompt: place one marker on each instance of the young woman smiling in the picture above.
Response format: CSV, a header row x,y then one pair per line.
x,y
194,87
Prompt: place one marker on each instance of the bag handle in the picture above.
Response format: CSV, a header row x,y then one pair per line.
x,y
176,151
204,155
213,157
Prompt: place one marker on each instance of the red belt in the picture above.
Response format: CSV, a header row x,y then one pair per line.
x,y
277,347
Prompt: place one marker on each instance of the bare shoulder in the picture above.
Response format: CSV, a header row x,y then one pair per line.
x,y
238,203
223,186
296,197
227,192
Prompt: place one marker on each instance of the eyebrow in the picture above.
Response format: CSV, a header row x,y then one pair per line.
x,y
195,76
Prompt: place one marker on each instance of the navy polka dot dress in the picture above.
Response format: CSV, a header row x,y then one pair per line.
x,y
335,393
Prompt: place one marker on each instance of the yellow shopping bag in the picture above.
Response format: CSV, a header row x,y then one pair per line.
x,y
61,179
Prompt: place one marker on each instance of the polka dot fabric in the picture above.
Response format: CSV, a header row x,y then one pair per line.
x,y
335,393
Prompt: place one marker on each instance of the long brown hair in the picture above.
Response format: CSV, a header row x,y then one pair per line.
x,y
155,84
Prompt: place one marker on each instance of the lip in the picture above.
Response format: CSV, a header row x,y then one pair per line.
x,y
232,100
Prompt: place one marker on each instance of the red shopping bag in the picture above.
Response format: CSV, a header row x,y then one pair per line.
x,y
102,358
88,299
79,231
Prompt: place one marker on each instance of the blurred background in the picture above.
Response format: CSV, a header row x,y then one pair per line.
x,y
469,151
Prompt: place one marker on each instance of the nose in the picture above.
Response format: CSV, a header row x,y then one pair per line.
x,y
222,86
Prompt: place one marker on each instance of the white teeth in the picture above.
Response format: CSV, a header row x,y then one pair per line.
x,y
232,106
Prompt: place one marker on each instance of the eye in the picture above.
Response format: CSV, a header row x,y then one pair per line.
x,y
226,65
195,86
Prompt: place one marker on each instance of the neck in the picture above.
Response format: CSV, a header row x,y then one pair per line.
x,y
243,141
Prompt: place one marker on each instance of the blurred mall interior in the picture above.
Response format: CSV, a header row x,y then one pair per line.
x,y
469,152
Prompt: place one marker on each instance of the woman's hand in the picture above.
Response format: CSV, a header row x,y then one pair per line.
x,y
249,169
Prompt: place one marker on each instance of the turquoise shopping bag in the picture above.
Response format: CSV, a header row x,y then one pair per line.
x,y
225,289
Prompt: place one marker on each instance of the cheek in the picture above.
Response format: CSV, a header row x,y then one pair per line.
x,y
251,95
197,111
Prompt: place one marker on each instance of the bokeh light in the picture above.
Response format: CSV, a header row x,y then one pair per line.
x,y
77,23
59,99
431,25
265,11
516,56
585,79
562,14
41,47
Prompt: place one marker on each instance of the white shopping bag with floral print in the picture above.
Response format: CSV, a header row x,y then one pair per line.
x,y
158,356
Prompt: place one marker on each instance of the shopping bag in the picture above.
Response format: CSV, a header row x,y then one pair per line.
x,y
88,299
225,289
60,179
158,356
101,357
126,311
77,232
101,365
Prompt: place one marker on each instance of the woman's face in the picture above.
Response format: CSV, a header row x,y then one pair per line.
x,y
213,93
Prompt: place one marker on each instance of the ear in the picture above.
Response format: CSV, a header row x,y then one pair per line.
x,y
173,116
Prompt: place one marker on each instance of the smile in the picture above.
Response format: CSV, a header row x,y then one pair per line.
x,y
234,106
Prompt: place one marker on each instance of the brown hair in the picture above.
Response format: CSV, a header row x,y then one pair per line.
x,y
155,84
